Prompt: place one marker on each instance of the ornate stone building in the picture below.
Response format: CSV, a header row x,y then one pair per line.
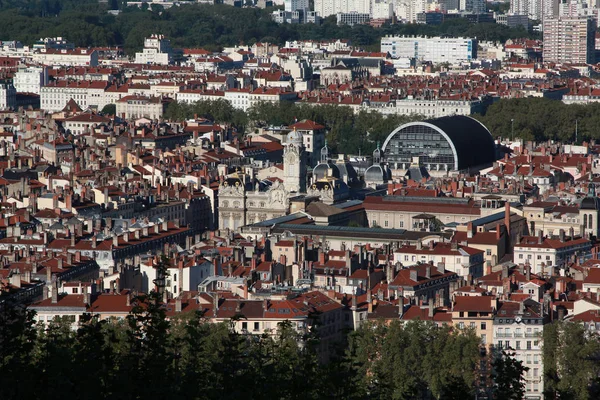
x,y
244,200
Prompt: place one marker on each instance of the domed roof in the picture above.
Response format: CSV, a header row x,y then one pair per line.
x,y
590,203
295,137
322,170
377,173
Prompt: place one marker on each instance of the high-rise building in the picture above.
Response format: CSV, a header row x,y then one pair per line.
x,y
294,5
536,10
325,8
569,40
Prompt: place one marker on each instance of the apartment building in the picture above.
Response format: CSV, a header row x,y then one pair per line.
x,y
569,40
157,50
325,8
433,49
30,79
543,253
66,57
465,261
518,327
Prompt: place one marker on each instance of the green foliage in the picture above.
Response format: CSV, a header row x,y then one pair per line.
x,y
347,132
542,119
571,361
508,374
411,361
109,109
87,23
220,111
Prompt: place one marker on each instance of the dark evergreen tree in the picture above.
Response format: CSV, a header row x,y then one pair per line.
x,y
508,376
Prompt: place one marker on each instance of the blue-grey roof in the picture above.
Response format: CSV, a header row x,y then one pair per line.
x,y
279,220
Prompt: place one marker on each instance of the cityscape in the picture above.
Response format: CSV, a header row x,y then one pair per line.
x,y
366,199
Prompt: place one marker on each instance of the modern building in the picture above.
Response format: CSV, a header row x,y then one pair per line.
x,y
294,5
353,18
325,8
513,20
433,49
157,50
453,143
569,40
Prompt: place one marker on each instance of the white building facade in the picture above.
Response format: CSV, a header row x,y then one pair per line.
x,y
434,49
30,79
157,50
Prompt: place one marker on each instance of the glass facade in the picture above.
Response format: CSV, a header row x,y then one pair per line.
x,y
433,150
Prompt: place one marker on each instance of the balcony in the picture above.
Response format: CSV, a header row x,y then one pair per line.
x,y
532,335
518,335
503,335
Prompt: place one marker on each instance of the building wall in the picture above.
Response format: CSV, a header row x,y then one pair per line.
x,y
569,40
436,50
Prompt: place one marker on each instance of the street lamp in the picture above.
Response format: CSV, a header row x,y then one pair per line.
x,y
512,129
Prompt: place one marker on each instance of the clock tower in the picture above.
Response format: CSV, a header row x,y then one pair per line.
x,y
294,163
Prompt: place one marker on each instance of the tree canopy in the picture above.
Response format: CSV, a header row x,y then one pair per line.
x,y
542,119
347,132
88,23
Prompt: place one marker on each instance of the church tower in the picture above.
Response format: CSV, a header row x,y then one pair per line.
x,y
294,163
589,211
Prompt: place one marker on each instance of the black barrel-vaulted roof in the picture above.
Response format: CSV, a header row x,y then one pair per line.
x,y
472,141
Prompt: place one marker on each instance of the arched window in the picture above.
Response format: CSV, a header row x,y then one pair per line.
x,y
585,221
174,277
591,222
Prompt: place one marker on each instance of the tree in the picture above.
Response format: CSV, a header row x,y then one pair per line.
x,y
507,374
571,361
109,109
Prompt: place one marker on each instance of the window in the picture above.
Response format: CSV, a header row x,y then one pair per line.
x,y
385,223
461,325
245,326
483,339
520,256
256,326
518,345
488,252
483,326
529,345
472,325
